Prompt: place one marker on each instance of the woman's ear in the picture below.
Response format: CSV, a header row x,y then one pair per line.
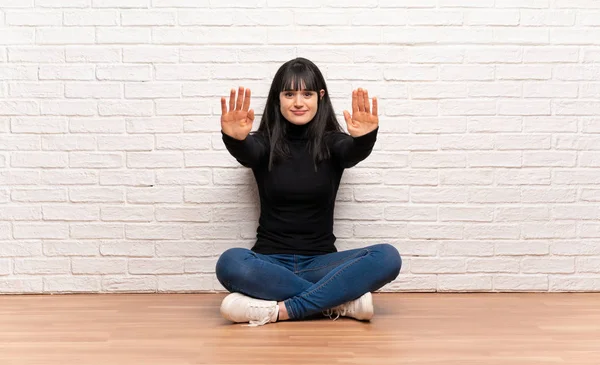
x,y
321,93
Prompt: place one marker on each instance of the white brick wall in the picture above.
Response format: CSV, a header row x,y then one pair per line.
x,y
113,176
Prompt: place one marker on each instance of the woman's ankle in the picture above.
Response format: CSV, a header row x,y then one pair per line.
x,y
283,313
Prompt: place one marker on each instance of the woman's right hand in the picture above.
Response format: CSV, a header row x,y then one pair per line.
x,y
237,121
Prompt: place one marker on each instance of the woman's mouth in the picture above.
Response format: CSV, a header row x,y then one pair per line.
x,y
299,112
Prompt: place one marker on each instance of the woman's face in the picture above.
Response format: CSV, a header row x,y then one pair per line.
x,y
299,106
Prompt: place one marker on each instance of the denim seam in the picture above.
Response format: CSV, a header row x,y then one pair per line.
x,y
295,264
336,274
337,263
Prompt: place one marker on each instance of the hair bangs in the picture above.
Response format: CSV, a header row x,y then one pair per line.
x,y
299,77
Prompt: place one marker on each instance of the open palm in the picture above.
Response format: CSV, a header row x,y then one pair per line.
x,y
363,119
237,121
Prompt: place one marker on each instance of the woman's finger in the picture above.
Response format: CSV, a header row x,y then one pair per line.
x,y
246,100
354,101
361,100
240,99
375,106
223,106
367,105
347,117
232,100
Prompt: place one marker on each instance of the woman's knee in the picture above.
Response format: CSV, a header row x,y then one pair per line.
x,y
390,259
229,264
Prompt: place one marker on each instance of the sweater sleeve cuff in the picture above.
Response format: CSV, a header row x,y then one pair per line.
x,y
228,139
367,139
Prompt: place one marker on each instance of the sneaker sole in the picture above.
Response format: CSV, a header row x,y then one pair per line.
x,y
367,301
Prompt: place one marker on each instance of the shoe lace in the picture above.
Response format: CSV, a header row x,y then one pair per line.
x,y
338,311
259,314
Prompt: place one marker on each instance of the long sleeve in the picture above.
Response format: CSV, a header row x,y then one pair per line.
x,y
350,150
248,152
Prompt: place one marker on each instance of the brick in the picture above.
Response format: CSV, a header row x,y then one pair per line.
x,y
151,195
95,160
492,231
153,232
19,108
520,214
154,159
69,177
466,142
70,213
93,54
466,177
524,283
91,18
20,213
126,108
127,248
122,35
17,36
99,266
200,265
154,125
69,107
548,265
124,73
217,18
185,283
65,35
156,266
189,214
125,143
147,18
492,124
37,18
36,90
93,90
16,177
385,194
72,284
574,283
71,248
548,230
45,266
184,177
97,125
96,195
152,90
68,143
493,265
62,3
183,248
464,283
39,195
119,284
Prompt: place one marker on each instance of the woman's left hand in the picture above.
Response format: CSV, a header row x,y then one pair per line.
x,y
362,120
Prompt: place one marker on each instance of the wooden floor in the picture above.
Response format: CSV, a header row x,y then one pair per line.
x,y
174,329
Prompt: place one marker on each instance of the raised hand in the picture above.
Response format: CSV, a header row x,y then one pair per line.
x,y
237,121
362,120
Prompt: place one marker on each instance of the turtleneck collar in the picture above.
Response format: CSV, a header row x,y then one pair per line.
x,y
297,132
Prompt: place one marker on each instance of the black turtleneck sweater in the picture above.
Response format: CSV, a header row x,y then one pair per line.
x,y
297,202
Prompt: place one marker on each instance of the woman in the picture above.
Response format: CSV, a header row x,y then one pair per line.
x,y
298,156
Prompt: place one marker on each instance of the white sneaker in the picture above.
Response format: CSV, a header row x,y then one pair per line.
x,y
361,309
238,307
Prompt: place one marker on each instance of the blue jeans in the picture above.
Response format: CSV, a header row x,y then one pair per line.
x,y
308,284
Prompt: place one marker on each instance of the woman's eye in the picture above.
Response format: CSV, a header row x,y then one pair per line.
x,y
289,95
308,95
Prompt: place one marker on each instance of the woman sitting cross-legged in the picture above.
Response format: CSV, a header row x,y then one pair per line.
x,y
298,155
